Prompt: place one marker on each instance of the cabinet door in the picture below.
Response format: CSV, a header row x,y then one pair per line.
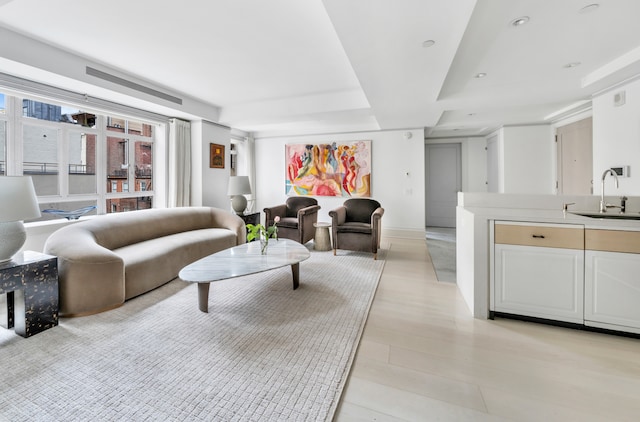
x,y
612,289
539,282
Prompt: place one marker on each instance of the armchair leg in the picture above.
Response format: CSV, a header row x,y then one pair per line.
x,y
334,252
375,256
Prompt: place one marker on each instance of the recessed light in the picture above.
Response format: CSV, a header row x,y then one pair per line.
x,y
589,8
471,114
572,64
520,21
428,43
480,75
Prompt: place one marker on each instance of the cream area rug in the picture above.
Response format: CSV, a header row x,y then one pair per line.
x,y
264,352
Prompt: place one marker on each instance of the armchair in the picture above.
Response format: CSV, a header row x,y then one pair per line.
x,y
297,216
356,226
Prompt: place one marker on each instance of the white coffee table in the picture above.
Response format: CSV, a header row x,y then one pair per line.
x,y
242,260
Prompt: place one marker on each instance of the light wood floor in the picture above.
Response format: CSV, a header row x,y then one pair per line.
x,y
423,357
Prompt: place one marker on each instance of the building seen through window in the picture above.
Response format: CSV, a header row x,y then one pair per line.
x,y
61,146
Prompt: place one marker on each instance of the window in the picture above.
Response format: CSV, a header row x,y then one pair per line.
x,y
40,157
81,167
3,147
127,139
117,161
42,111
144,164
3,136
79,158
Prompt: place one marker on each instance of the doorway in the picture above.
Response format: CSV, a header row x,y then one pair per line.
x,y
444,176
575,158
493,165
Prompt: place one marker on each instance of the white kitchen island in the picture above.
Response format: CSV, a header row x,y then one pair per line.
x,y
476,216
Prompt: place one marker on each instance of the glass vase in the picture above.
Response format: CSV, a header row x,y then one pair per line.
x,y
264,244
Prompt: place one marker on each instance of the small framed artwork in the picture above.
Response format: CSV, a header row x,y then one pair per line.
x,y
216,156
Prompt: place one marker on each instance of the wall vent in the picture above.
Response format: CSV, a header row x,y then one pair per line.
x,y
132,85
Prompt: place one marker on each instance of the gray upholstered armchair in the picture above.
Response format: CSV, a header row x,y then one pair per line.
x,y
356,225
297,216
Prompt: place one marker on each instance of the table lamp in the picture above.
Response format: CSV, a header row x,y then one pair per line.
x,y
18,202
238,187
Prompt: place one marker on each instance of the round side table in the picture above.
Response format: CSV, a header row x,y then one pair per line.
x,y
322,238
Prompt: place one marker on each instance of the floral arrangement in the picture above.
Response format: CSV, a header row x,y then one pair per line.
x,y
263,233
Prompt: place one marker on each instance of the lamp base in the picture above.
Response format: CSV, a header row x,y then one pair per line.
x,y
12,237
239,204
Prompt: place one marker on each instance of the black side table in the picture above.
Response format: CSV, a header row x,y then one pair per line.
x,y
251,218
30,282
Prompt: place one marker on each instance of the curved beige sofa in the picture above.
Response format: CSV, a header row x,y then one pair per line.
x,y
111,258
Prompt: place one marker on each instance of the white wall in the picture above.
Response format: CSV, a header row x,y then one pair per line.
x,y
209,185
527,154
616,138
474,161
528,164
392,158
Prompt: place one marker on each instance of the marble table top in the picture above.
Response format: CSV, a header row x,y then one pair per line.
x,y
244,259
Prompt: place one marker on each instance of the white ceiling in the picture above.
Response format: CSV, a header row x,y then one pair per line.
x,y
298,67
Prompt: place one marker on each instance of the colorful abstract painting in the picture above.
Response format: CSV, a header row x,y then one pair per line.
x,y
335,169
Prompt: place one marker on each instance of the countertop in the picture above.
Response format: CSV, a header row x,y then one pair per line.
x,y
556,216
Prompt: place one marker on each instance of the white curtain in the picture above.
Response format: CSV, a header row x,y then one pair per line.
x,y
179,163
251,169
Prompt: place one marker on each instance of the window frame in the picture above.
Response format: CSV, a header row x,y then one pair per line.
x,y
15,122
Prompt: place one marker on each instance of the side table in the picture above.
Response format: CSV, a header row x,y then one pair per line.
x,y
253,218
322,238
29,283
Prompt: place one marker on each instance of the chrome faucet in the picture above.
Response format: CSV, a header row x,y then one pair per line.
x,y
603,205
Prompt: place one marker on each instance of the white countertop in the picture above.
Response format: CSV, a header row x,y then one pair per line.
x,y
554,216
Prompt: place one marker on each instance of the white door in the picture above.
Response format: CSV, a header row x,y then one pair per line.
x,y
444,175
539,282
492,164
612,289
575,158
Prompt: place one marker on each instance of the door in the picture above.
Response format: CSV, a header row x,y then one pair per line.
x,y
612,289
492,164
539,270
444,175
575,158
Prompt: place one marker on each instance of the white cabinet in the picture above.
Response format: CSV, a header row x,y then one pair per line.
x,y
539,270
612,280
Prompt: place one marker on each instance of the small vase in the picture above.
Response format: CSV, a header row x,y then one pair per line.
x,y
264,243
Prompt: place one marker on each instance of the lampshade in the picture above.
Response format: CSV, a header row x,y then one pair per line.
x,y
239,185
18,199
17,202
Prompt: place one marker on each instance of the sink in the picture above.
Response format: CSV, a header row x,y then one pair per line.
x,y
608,215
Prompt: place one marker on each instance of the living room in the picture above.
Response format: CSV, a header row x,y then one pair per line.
x,y
420,86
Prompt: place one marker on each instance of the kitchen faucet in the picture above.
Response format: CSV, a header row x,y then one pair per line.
x,y
604,205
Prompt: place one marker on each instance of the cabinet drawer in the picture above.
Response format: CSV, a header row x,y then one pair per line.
x,y
612,241
543,236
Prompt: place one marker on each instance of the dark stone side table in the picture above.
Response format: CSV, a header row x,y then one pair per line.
x,y
29,284
253,218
